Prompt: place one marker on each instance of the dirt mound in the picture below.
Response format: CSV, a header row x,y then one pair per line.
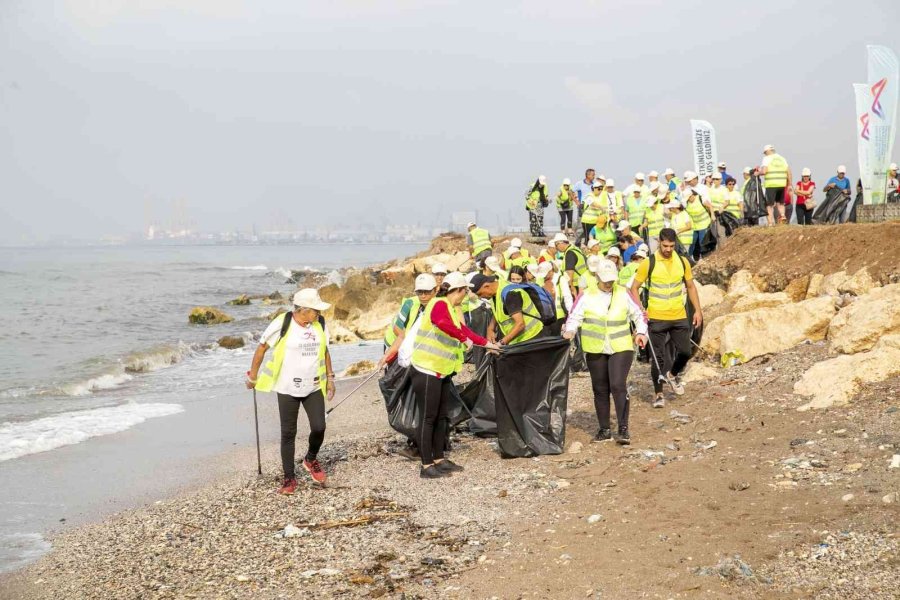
x,y
779,255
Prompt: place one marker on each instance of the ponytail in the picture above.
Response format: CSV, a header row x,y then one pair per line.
x,y
442,291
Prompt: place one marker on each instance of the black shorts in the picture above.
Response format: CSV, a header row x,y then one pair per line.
x,y
774,196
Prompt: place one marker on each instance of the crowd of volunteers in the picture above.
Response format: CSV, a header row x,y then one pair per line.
x,y
616,280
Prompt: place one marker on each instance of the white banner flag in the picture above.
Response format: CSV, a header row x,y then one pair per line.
x,y
703,144
863,134
884,71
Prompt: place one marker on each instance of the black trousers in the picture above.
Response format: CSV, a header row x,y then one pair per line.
x,y
804,215
586,230
433,394
565,219
288,410
663,334
609,373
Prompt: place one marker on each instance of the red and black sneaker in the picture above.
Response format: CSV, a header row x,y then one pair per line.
x,y
289,487
315,471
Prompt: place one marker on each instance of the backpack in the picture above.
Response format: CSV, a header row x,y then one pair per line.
x,y
652,259
286,323
539,297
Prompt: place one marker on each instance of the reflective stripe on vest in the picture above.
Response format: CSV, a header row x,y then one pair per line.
x,y
717,198
267,378
699,214
434,350
776,173
655,216
580,260
606,236
609,326
590,213
733,202
616,205
481,240
533,326
389,335
635,208
666,291
679,221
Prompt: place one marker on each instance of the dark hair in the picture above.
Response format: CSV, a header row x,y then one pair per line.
x,y
589,171
667,235
730,180
442,291
518,270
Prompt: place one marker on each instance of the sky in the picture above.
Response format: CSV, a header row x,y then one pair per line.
x,y
112,112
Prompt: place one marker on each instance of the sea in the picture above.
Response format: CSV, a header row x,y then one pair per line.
x,y
96,340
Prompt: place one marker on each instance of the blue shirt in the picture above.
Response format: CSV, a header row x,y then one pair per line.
x,y
725,177
626,256
582,189
842,184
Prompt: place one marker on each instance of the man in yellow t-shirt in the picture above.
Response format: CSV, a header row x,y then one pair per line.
x,y
668,320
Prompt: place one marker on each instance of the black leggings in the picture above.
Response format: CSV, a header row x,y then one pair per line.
x,y
288,409
565,219
586,229
662,333
608,375
433,395
804,215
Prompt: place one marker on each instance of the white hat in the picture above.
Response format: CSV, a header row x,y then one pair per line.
x,y
606,271
768,147
623,225
601,177
722,165
747,170
470,225
805,173
610,182
439,269
842,169
456,280
425,283
596,184
551,243
669,171
639,175
515,242
540,271
642,251
542,179
560,237
636,188
717,175
514,249
592,242
893,167
567,181
592,262
654,185
492,263
673,203
653,174
688,175
309,298
644,247
651,200
614,251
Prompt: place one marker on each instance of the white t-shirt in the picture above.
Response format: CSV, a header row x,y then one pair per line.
x,y
299,374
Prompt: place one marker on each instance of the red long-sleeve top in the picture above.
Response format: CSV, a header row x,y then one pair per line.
x,y
440,316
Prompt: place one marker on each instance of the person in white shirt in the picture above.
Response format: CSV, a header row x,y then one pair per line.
x,y
603,315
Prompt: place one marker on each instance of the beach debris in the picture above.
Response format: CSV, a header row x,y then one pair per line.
x,y
231,342
889,498
242,300
681,417
292,531
575,448
895,462
207,315
242,578
359,368
847,497
594,519
732,568
739,486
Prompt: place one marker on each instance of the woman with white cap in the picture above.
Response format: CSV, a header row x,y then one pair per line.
x,y
300,373
605,314
535,202
437,356
565,204
680,221
654,215
804,191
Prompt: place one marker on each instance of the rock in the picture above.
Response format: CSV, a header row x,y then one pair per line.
x,y
889,498
231,342
769,330
712,335
797,288
242,578
760,300
371,325
339,334
709,295
594,519
738,486
835,381
207,315
741,284
859,326
562,483
680,417
698,371
575,448
358,368
294,531
815,287
277,313
847,497
242,300
832,283
895,462
860,283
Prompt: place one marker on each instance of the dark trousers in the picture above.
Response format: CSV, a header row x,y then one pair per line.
x,y
433,394
609,373
288,410
662,334
565,219
804,215
586,230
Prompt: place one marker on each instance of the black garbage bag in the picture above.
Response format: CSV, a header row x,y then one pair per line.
x,y
710,240
832,208
478,396
696,332
479,319
893,197
532,386
754,201
856,202
577,361
403,409
728,222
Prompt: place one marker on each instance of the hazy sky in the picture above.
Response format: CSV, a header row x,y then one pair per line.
x,y
377,111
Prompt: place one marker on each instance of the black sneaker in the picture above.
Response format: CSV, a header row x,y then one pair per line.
x,y
431,472
603,435
623,438
448,466
409,452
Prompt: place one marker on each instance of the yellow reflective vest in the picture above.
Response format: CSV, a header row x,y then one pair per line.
x,y
267,378
698,213
776,172
533,325
604,326
434,350
481,240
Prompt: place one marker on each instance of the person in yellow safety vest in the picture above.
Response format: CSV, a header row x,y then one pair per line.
x,y
626,273
410,308
548,254
479,242
300,373
515,245
605,316
439,270
492,267
639,179
634,207
516,319
612,202
605,233
614,255
565,204
734,200
593,248
547,275
668,276
747,171
574,261
592,207
681,222
777,174
437,356
699,211
652,177
717,194
674,183
654,215
536,200
623,230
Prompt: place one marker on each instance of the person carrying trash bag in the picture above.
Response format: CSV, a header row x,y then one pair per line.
x,y
604,315
668,275
300,373
436,357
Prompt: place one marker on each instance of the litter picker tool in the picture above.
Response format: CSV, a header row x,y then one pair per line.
x,y
353,391
659,370
256,421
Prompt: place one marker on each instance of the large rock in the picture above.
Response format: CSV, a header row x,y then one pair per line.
x,y
207,315
712,335
835,381
832,283
371,324
452,261
231,342
698,371
797,288
742,284
339,333
760,300
709,295
769,330
860,283
816,285
858,326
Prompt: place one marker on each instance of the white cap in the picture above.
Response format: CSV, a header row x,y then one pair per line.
x,y
515,242
688,175
606,271
309,298
642,251
456,280
842,169
893,167
805,173
722,165
596,184
514,249
669,171
639,175
425,283
673,203
542,179
492,263
768,147
551,243
560,237
592,261
717,175
567,181
601,177
747,170
540,271
610,182
592,242
623,225
614,251
654,185
644,247
470,225
651,200
439,269
652,174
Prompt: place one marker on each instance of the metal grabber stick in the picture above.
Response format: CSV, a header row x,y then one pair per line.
x,y
353,391
661,377
256,420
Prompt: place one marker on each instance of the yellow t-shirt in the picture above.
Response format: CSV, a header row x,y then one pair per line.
x,y
666,270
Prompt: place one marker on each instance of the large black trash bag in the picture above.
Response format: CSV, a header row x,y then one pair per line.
x,y
479,319
710,240
403,409
728,222
532,386
832,208
754,201
478,396
856,202
577,361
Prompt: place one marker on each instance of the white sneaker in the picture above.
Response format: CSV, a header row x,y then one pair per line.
x,y
677,385
659,402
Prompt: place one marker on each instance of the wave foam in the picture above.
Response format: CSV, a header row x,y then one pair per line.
x,y
251,268
95,384
286,273
154,360
48,433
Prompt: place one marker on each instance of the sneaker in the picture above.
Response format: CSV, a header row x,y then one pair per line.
x,y
448,466
315,471
623,438
603,435
410,452
432,472
659,402
677,386
289,487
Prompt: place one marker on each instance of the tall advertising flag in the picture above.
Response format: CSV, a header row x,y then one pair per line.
x,y
703,144
884,71
863,135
